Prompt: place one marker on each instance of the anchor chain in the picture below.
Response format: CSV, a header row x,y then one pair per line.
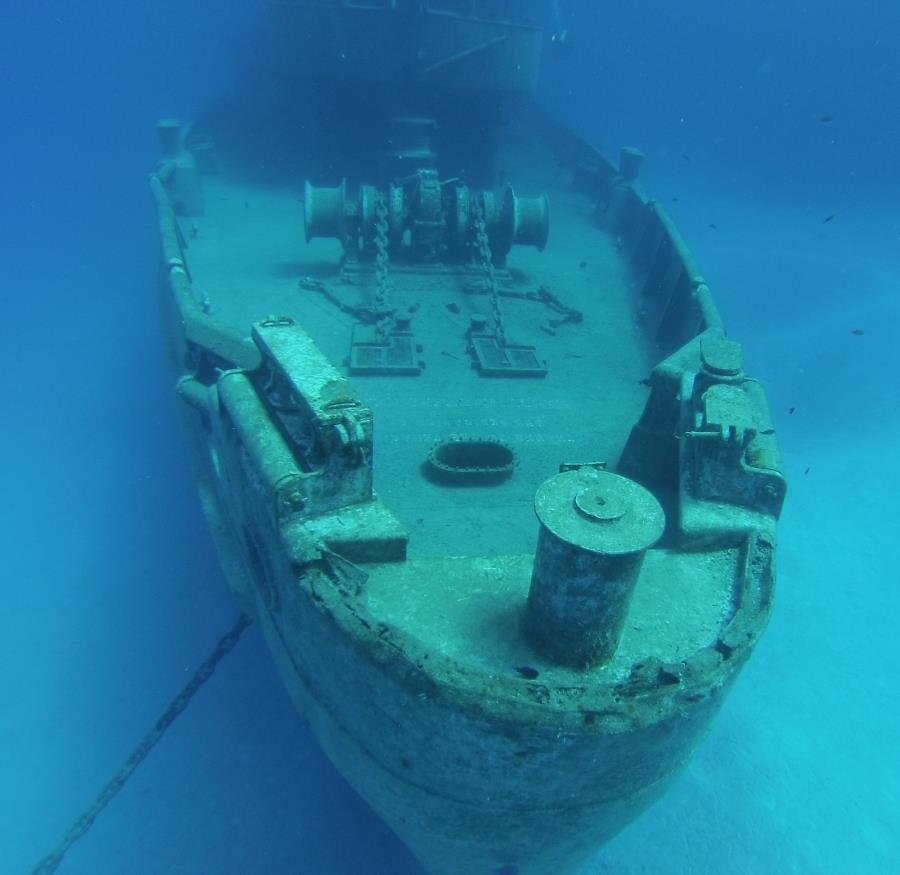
x,y
382,278
486,261
50,863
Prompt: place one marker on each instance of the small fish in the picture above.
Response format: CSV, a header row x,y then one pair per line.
x,y
826,118
675,200
806,472
582,264
714,227
858,332
644,382
791,410
829,218
527,672
453,307
686,157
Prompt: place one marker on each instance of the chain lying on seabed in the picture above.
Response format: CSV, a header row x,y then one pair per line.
x,y
85,821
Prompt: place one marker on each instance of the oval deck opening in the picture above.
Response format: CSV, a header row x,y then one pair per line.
x,y
470,461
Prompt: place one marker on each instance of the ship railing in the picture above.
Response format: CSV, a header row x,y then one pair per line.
x,y
674,302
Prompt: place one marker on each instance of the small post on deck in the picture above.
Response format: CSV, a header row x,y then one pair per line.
x,y
178,169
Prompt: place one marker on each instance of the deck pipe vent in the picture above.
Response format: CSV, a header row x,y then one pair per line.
x,y
595,528
470,461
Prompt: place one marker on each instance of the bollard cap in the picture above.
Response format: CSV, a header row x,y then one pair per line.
x,y
599,511
720,356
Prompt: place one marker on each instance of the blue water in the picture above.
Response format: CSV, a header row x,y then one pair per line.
x,y
112,592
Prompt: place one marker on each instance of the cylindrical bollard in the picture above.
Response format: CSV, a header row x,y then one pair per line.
x,y
169,131
720,356
630,160
595,527
178,169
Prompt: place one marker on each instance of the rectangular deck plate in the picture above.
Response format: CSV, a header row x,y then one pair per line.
x,y
395,355
494,360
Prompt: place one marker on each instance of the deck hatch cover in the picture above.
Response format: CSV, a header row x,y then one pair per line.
x,y
494,360
395,354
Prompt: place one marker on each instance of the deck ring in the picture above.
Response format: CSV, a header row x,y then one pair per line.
x,y
470,461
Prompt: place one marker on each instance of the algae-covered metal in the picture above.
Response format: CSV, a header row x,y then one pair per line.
x,y
496,488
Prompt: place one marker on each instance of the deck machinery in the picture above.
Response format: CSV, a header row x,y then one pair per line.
x,y
500,496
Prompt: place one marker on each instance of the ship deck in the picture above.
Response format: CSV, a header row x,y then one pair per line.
x,y
248,258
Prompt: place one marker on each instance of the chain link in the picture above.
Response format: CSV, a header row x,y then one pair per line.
x,y
483,249
382,278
